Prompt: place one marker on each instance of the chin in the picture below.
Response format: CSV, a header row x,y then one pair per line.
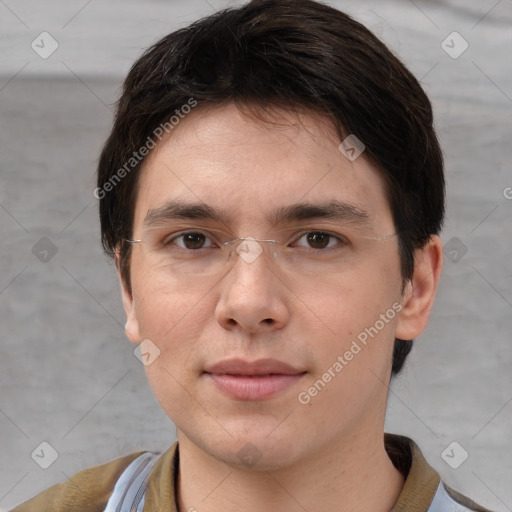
x,y
253,448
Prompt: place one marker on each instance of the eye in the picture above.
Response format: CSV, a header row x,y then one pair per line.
x,y
190,240
320,240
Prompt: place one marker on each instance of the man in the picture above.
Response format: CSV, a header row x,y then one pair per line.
x,y
272,192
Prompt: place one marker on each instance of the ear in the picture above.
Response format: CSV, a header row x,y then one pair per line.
x,y
420,291
131,327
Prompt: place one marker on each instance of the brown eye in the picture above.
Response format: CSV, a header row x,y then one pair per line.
x,y
318,240
188,240
193,240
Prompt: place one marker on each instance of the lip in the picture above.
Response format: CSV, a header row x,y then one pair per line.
x,y
256,380
252,368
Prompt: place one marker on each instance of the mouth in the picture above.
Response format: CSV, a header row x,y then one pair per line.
x,y
253,381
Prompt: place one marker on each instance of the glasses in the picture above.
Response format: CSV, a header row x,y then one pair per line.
x,y
195,254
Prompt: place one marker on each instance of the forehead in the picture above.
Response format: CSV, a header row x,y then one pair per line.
x,y
230,160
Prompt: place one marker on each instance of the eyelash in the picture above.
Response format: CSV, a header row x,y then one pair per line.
x,y
342,241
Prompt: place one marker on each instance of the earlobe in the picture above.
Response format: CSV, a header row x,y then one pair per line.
x,y
420,291
131,327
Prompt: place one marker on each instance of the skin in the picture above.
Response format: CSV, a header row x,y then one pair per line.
x,y
327,454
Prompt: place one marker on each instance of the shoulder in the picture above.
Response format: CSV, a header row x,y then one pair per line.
x,y
87,491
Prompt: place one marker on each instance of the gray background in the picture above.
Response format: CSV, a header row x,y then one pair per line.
x,y
67,374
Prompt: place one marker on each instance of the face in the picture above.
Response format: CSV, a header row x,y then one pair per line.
x,y
289,351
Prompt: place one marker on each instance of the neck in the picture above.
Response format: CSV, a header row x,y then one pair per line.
x,y
352,474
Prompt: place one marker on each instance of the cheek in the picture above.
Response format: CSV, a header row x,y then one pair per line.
x,y
175,322
353,360
174,319
353,302
359,315
161,305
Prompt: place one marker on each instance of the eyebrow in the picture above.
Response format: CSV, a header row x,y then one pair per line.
x,y
338,210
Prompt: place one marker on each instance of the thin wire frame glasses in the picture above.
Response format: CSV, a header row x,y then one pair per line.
x,y
194,253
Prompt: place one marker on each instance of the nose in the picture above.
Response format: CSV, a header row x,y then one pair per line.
x,y
253,297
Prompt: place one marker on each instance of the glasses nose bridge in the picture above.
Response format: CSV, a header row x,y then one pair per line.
x,y
249,249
